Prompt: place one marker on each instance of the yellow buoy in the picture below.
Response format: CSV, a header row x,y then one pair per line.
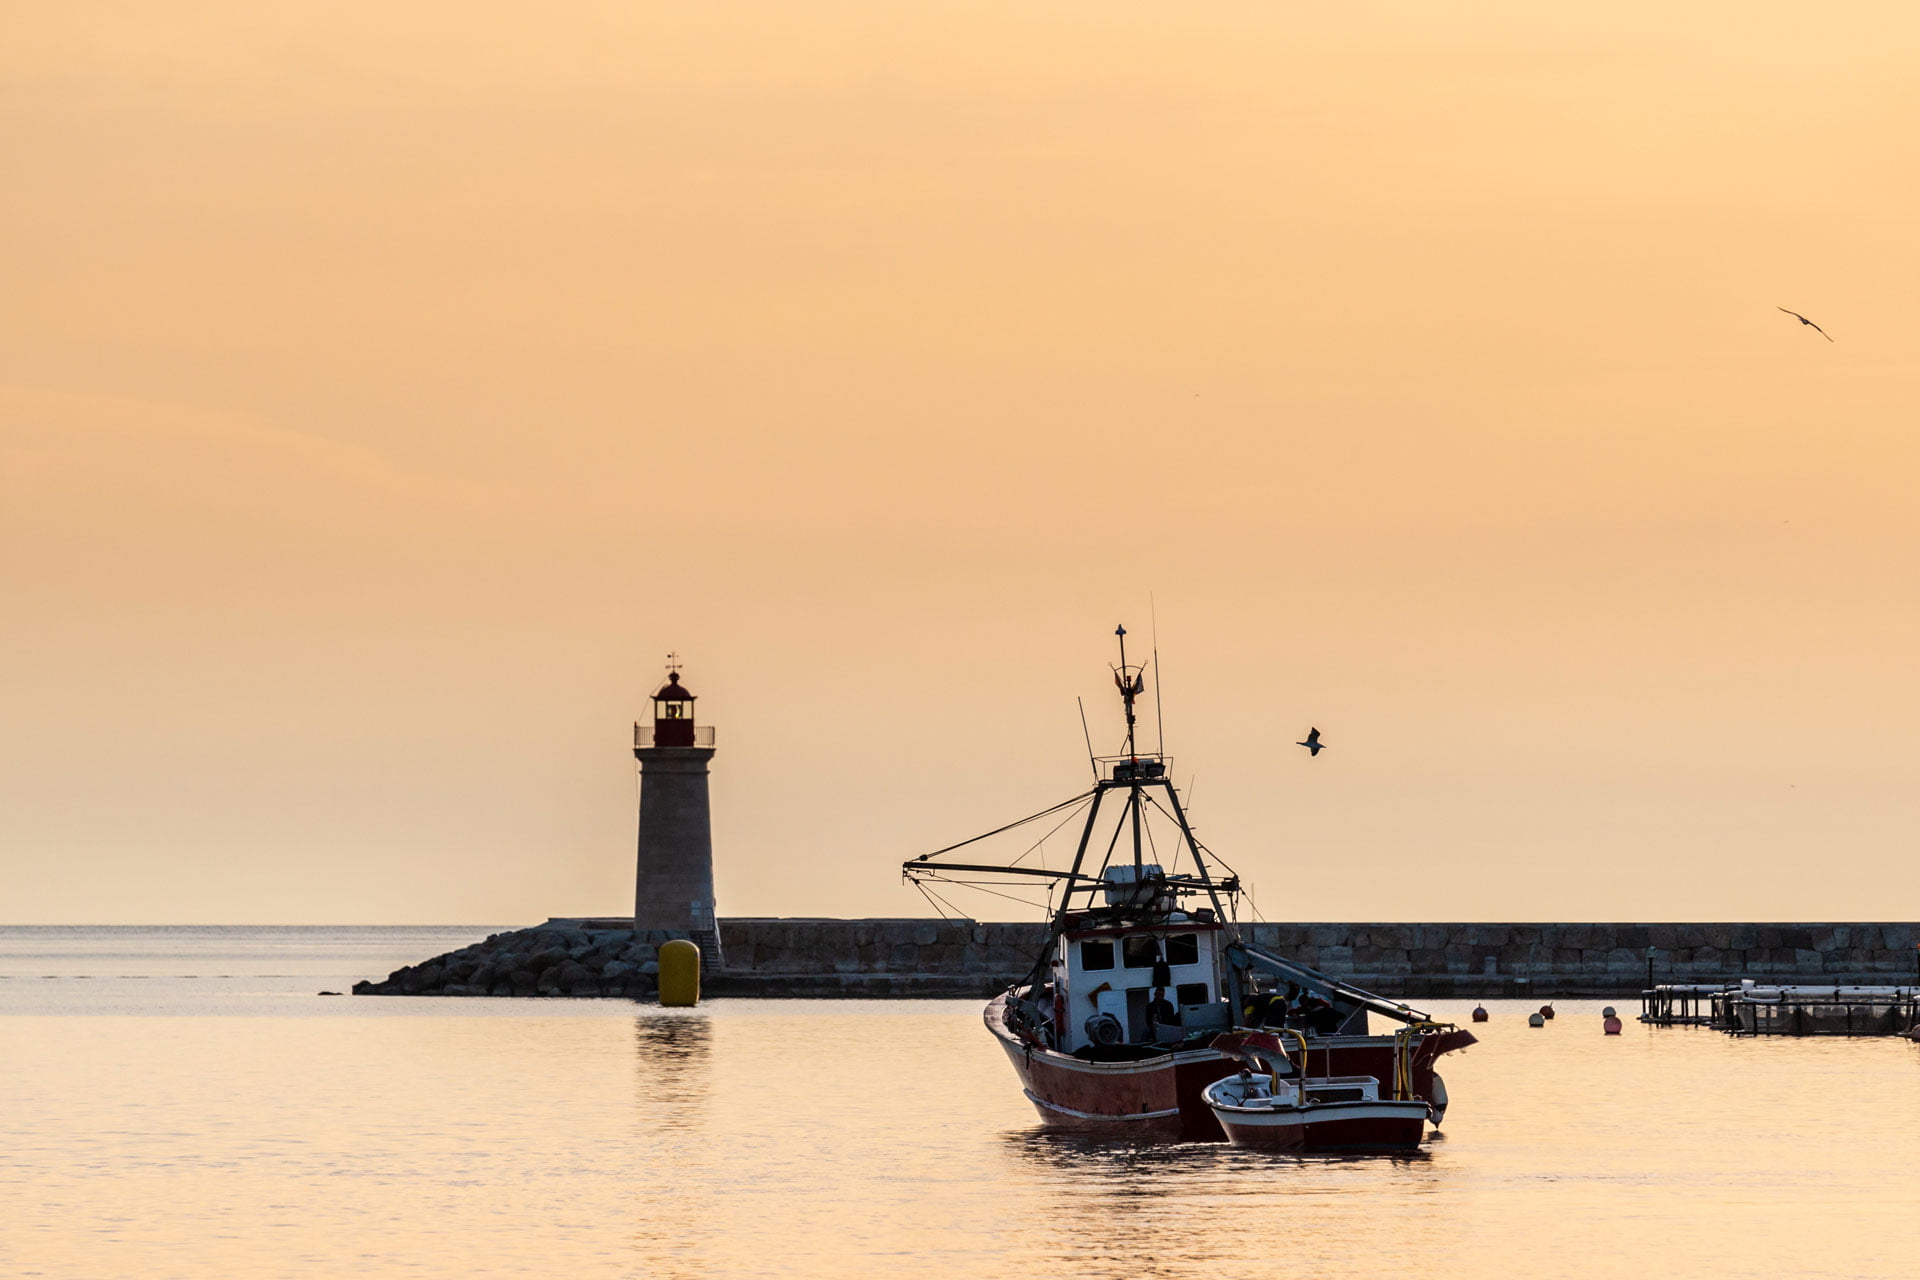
x,y
679,974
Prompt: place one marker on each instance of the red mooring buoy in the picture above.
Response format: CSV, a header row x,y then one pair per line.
x,y
1546,1011
1480,1013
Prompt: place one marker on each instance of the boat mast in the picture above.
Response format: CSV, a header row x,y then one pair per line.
x,y
1207,881
1136,775
1130,687
1076,874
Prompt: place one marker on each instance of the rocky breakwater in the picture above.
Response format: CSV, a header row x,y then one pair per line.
x,y
542,961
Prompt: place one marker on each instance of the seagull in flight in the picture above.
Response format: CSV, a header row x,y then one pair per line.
x,y
1803,320
1313,743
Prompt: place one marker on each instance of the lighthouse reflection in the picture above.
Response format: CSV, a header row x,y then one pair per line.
x,y
673,1052
671,1235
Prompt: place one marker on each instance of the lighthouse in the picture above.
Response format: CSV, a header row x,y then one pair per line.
x,y
674,880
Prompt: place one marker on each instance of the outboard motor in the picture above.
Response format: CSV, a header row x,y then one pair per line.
x,y
1105,1030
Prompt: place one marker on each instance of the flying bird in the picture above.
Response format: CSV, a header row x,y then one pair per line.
x,y
1803,320
1313,743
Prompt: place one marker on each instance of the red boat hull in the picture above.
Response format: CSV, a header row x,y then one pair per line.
x,y
1159,1097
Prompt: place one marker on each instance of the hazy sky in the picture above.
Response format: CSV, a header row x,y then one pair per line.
x,y
385,389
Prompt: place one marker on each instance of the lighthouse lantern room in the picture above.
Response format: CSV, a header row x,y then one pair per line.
x,y
673,714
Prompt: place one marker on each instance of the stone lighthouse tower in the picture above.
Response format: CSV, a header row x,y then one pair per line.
x,y
674,884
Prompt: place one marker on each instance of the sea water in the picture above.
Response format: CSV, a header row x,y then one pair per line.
x,y
181,1102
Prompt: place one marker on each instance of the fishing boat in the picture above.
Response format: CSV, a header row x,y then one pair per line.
x,y
1145,968
1273,1102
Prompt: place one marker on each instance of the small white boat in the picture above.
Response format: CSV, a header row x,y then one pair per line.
x,y
1270,1103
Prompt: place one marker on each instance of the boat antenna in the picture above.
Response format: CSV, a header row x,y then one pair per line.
x,y
1088,733
1159,721
1130,686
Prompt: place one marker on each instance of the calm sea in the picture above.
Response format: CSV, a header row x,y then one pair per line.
x,y
180,1102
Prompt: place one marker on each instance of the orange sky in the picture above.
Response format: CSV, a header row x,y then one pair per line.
x,y
385,389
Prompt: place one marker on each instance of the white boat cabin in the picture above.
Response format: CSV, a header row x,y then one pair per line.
x,y
1139,983
1254,1090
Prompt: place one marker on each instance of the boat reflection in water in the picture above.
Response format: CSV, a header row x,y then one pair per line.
x,y
1149,1168
1114,1031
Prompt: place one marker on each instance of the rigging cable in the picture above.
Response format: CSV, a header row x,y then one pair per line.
x,y
940,904
1159,721
1010,826
1199,845
981,886
1088,734
1043,839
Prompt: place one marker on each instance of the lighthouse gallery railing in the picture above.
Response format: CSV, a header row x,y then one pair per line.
x,y
643,735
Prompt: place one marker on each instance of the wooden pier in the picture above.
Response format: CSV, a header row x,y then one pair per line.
x,y
1750,1009
1682,1004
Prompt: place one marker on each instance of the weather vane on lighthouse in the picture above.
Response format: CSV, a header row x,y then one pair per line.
x,y
673,663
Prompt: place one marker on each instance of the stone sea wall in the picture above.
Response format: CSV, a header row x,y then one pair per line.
x,y
547,960
901,958
889,958
1596,959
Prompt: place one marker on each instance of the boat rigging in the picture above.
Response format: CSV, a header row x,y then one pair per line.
x,y
1145,964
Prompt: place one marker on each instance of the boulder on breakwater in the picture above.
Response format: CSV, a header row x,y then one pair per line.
x,y
541,961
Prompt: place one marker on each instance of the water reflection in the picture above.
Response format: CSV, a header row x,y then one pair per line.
x,y
674,1052
824,1141
1054,1153
1181,1209
679,1035
672,1237
1079,1154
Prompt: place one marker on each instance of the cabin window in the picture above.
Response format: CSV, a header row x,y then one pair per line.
x,y
1096,955
1183,948
1190,993
1140,951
